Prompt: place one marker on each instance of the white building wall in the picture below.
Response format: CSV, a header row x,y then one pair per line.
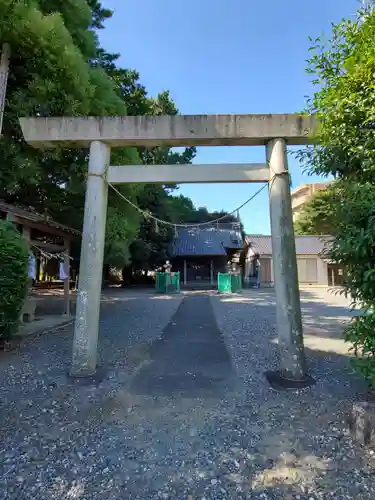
x,y
322,272
322,268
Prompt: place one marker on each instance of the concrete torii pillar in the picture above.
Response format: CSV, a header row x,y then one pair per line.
x,y
293,369
86,329
67,279
197,130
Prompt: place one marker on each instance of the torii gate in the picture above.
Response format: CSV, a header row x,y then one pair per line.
x,y
102,134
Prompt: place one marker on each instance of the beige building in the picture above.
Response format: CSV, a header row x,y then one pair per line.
x,y
313,268
303,194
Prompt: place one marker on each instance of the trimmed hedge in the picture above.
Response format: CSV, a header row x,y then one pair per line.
x,y
14,255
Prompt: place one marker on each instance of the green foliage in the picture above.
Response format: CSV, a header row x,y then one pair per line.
x,y
13,278
343,69
181,208
151,247
119,230
52,46
320,214
58,68
361,334
354,243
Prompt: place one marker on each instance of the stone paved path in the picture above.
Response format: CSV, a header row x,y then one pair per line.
x,y
190,359
184,412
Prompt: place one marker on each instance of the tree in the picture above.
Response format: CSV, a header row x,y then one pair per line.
x,y
13,277
182,209
51,73
320,214
343,69
151,247
343,66
58,68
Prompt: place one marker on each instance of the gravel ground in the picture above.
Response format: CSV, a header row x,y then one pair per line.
x,y
301,436
241,441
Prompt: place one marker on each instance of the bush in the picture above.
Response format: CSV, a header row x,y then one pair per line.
x,y
342,69
354,249
13,278
361,333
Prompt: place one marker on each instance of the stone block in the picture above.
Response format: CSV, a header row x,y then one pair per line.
x,y
362,423
28,309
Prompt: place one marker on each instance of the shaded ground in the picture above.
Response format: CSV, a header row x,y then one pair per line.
x,y
190,359
50,301
185,412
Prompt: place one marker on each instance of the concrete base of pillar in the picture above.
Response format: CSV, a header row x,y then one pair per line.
x,y
94,379
279,383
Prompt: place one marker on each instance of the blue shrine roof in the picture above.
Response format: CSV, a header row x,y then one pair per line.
x,y
207,240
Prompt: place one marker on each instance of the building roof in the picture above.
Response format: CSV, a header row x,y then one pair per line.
x,y
28,214
305,245
211,240
314,186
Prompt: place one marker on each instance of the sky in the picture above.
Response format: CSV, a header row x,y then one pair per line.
x,y
221,57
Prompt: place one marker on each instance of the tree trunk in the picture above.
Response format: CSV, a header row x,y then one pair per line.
x,y
4,72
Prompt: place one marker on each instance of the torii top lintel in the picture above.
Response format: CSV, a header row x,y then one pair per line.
x,y
178,130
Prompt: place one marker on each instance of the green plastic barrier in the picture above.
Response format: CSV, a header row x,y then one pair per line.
x,y
224,283
229,283
160,283
167,282
236,282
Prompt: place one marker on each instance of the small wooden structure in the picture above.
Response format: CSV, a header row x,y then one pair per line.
x,y
43,234
200,253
